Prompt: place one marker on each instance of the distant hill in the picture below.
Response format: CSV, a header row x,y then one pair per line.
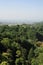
x,y
14,22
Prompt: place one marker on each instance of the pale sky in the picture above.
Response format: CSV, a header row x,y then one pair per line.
x,y
21,9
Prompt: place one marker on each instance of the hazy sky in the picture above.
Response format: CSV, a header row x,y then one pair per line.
x,y
21,9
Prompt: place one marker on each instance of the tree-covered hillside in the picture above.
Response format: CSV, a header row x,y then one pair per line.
x,y
21,44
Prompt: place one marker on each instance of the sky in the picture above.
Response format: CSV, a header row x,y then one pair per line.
x,y
21,10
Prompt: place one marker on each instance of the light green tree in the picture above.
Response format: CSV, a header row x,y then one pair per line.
x,y
4,63
5,42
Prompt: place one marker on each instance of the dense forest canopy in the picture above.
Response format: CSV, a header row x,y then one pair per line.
x,y
21,44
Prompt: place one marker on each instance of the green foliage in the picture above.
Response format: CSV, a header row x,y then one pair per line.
x,y
38,56
4,63
18,52
19,44
5,42
6,57
15,45
19,61
30,55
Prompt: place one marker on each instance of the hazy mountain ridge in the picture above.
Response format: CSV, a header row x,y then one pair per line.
x,y
20,22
